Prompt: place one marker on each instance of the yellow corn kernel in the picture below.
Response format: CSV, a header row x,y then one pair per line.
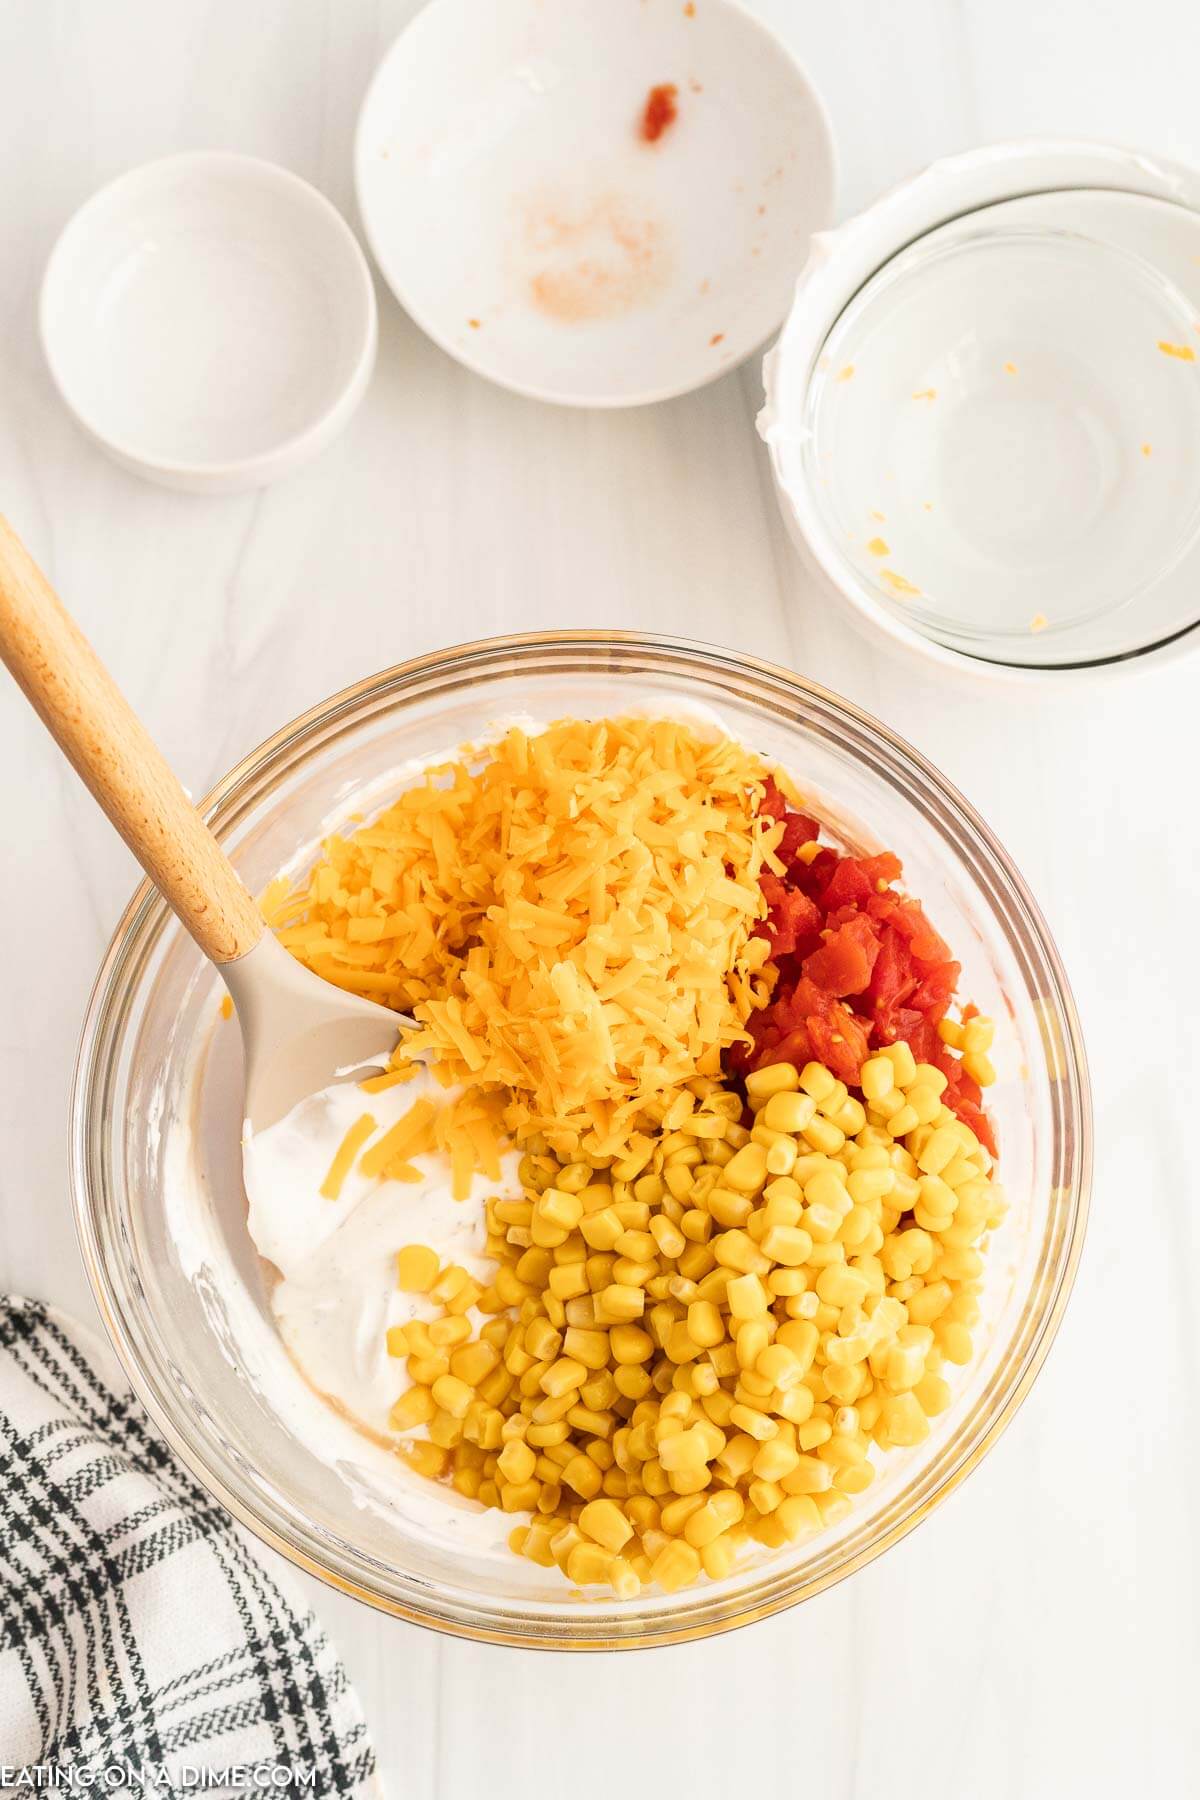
x,y
775,1459
429,1460
696,1226
877,1077
667,1236
788,1112
683,1450
416,1268
933,1395
623,1578
780,1366
620,1303
717,1346
582,1474
787,1244
797,1514
473,1363
562,1378
816,1081
587,1565
445,1430
904,1065
939,1148
715,1515
704,1125
449,1283
587,1347
810,1475
542,1341
824,1135
978,1035
629,1344
736,1250
637,1246
747,1298
747,1170
509,1288
777,1078
902,1421
516,1462
718,1558
568,1281
705,1325
751,1339
601,1230
452,1395
522,1497
676,1513
676,1565
416,1406
904,1121
446,1332
980,1068
547,1436
728,1209
801,1337
954,1342
428,1369
754,1423
604,1521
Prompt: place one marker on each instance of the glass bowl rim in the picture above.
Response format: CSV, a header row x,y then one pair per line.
x,y
146,917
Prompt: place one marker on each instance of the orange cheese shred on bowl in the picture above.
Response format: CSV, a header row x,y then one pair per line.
x,y
567,916
343,1160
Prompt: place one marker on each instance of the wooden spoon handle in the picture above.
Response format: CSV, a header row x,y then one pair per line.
x,y
93,724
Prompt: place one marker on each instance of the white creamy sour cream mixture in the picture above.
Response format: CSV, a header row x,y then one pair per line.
x,y
336,1291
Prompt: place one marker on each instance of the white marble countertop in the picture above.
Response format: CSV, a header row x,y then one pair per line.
x,y
1040,1638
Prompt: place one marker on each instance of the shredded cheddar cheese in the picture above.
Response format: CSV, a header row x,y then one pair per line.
x,y
898,584
567,916
343,1160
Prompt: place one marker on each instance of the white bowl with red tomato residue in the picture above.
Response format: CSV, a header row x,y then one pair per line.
x,y
593,204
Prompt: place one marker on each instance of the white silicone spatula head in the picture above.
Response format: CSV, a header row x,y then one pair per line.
x,y
300,1033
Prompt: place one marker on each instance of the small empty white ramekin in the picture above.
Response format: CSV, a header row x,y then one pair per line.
x,y
210,321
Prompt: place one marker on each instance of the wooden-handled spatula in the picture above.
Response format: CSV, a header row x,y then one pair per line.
x,y
300,1033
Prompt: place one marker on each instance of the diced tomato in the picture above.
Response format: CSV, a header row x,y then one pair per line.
x,y
892,978
793,920
798,830
773,802
974,1116
936,990
924,942
883,867
844,962
841,1043
857,966
848,885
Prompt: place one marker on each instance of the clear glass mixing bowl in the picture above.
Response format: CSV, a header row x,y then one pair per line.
x,y
156,1161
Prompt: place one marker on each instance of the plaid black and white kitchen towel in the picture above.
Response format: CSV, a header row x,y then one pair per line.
x,y
144,1648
